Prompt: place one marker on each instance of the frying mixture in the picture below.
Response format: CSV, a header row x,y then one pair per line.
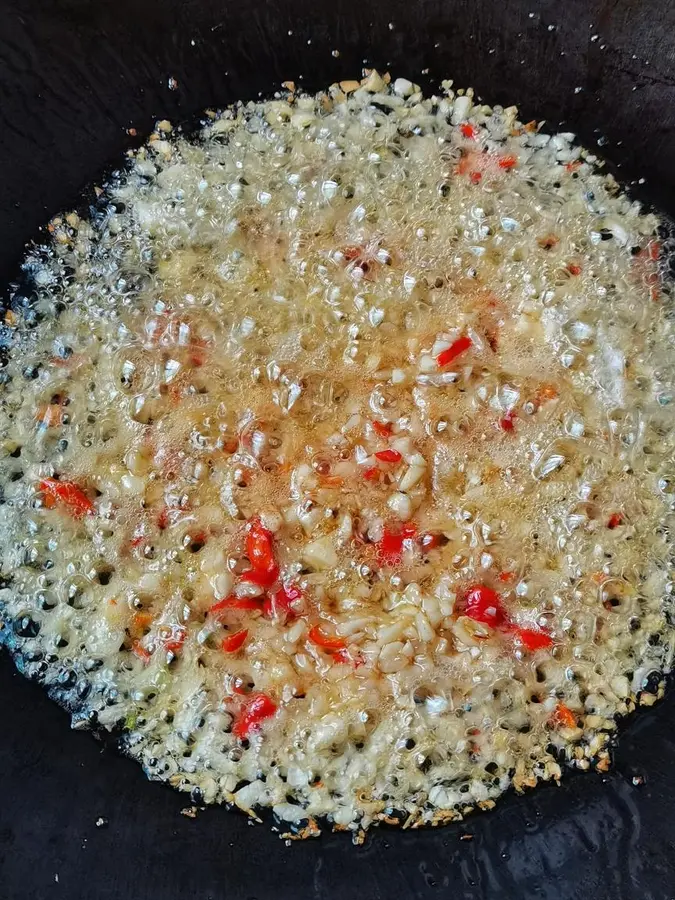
x,y
337,457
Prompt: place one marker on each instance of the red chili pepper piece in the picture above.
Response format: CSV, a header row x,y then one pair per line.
x,y
533,639
506,423
506,577
252,714
327,642
484,605
492,337
236,603
259,549
615,520
507,162
345,658
545,393
197,351
235,641
390,546
573,269
241,687
282,602
563,717
71,362
384,429
142,620
331,480
468,131
475,177
461,345
141,652
174,642
49,415
262,577
431,541
68,494
372,474
259,546
388,456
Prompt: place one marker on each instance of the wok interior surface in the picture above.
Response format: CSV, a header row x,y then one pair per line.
x,y
74,76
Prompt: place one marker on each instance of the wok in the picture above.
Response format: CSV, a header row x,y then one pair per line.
x,y
76,819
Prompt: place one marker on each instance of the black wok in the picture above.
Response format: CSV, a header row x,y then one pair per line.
x,y
76,819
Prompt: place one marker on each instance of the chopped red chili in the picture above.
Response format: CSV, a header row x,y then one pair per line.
x,y
430,540
259,545
262,577
163,518
533,639
461,345
252,714
235,603
282,602
325,641
345,658
175,640
390,546
141,652
388,456
383,429
563,717
654,250
68,494
483,604
508,161
264,570
506,577
234,641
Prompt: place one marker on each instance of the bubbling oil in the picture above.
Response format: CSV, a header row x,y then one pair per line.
x,y
363,320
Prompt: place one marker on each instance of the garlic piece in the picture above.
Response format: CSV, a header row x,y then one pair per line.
x,y
320,554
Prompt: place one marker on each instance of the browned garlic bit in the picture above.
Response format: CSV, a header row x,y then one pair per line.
x,y
337,457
